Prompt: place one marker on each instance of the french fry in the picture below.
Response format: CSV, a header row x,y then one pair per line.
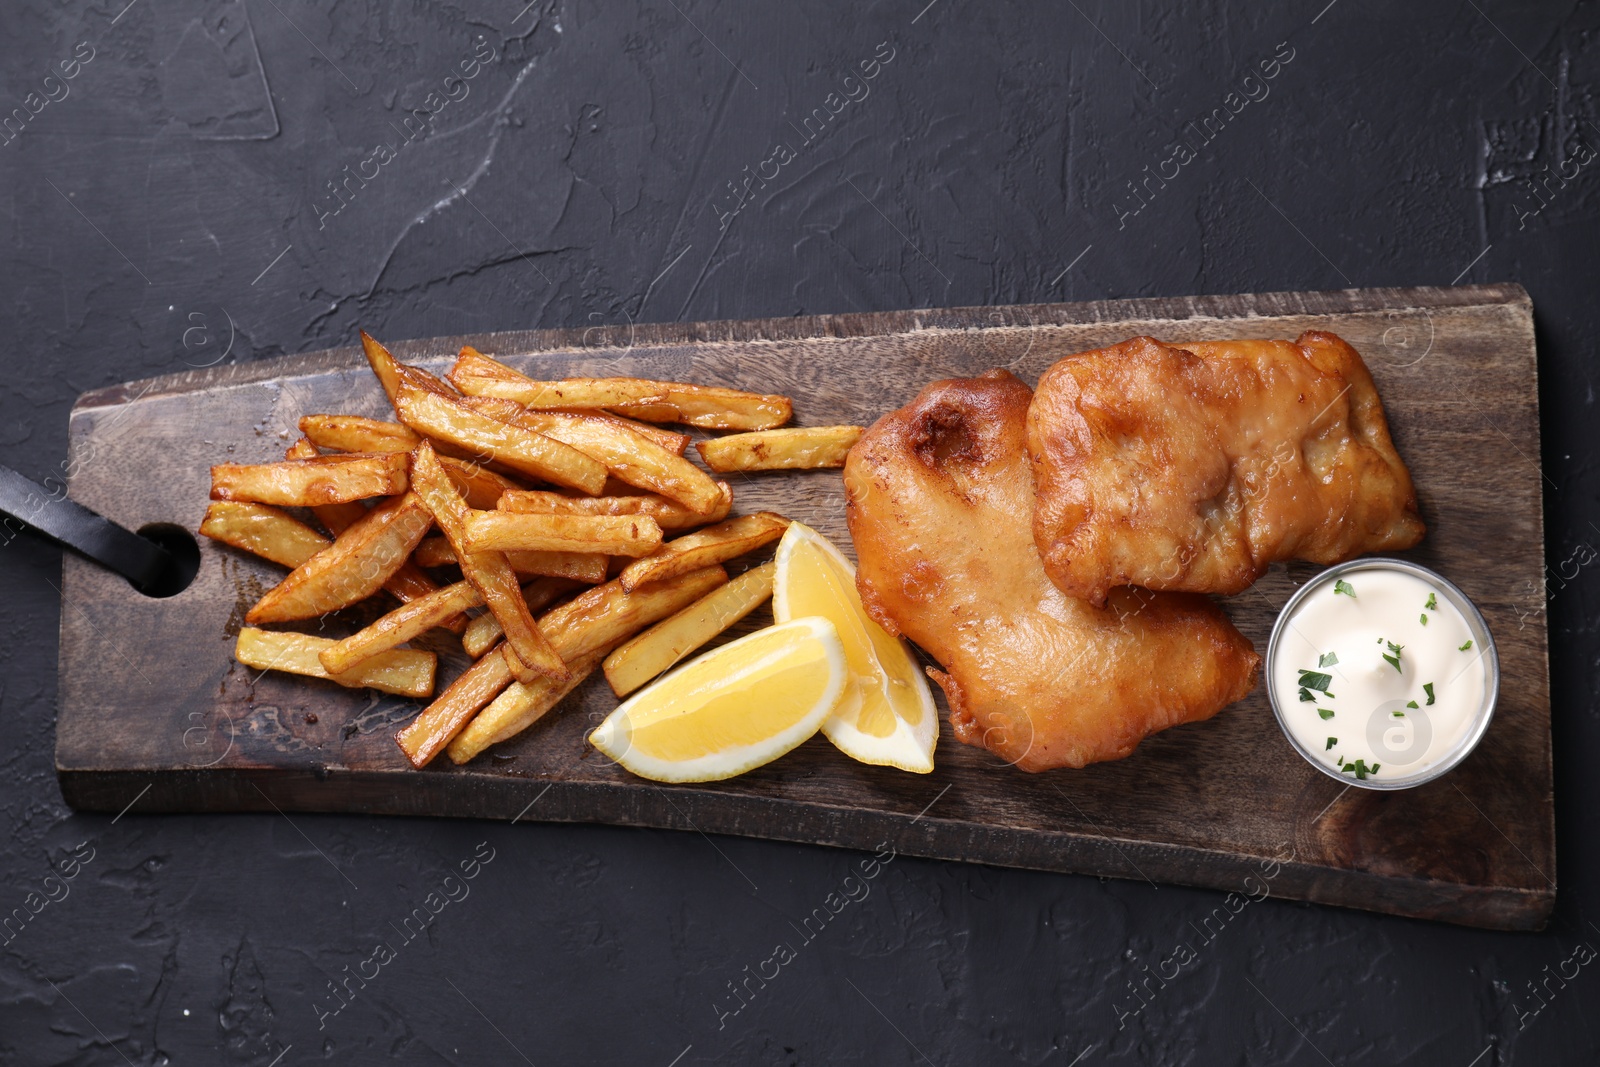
x,y
714,544
309,482
671,440
796,448
586,567
669,641
409,620
480,486
540,593
520,449
611,535
581,630
403,671
352,433
608,613
262,530
384,366
517,707
356,565
408,583
628,456
426,735
669,514
489,572
706,406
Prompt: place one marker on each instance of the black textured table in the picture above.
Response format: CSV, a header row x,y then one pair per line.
x,y
192,184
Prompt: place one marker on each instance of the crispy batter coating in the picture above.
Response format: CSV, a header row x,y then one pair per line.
x,y
1193,467
940,509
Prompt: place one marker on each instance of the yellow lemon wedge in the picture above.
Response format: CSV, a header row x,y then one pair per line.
x,y
887,715
732,709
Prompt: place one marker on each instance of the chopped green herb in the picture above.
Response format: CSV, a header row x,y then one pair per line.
x,y
1307,696
1411,703
1433,603
1342,586
1466,646
1314,679
1392,657
1424,618
1429,690
1374,768
1331,742
1359,768
1327,659
1326,713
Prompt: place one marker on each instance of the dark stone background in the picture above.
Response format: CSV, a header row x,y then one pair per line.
x,y
579,183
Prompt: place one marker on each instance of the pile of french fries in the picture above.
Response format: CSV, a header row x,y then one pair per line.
x,y
582,536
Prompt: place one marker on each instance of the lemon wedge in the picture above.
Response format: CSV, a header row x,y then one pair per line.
x,y
887,715
732,709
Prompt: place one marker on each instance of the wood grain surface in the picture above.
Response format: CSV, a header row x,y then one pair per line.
x,y
153,706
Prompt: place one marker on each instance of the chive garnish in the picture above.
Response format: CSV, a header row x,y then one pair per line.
x,y
1374,768
1433,603
1397,715
1424,617
1429,690
1342,586
1326,713
1466,646
1327,659
1392,657
1359,768
1331,742
1411,703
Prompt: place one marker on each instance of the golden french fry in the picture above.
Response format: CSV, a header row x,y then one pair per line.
x,y
586,567
797,448
609,613
671,440
706,406
409,620
714,544
517,707
480,486
263,530
384,365
666,643
352,433
611,535
426,735
669,514
583,629
356,565
489,572
408,583
308,482
629,457
670,640
403,671
522,450
540,593
652,413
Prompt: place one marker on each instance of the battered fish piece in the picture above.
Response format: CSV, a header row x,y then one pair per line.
x,y
940,509
1192,467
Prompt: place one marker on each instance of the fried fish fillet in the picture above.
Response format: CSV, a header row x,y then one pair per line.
x,y
1192,467
940,509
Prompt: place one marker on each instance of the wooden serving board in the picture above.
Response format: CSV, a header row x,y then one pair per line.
x,y
154,708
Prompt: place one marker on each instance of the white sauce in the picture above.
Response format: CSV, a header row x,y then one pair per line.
x,y
1372,721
